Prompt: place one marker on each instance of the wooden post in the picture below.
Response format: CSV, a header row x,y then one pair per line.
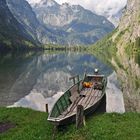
x,y
80,119
47,108
78,78
74,80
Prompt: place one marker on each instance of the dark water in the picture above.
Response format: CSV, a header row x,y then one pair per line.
x,y
32,79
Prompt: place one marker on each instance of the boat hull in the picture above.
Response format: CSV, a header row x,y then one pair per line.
x,y
87,112
88,93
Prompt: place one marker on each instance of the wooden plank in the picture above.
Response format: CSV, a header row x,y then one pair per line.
x,y
88,101
74,106
95,98
88,94
84,101
83,98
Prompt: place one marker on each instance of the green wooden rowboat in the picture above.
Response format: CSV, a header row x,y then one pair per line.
x,y
87,92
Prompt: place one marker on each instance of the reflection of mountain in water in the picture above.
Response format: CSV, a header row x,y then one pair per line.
x,y
41,73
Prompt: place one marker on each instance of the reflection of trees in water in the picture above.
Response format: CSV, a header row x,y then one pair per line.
x,y
19,73
130,75
14,81
47,74
128,71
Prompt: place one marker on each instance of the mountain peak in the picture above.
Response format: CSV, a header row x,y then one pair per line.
x,y
45,3
66,4
48,3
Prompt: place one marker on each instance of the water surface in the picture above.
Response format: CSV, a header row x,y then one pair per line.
x,y
33,79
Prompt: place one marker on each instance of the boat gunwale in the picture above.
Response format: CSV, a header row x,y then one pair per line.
x,y
53,119
59,120
61,96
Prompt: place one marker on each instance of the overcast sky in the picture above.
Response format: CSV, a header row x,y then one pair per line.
x,y
100,6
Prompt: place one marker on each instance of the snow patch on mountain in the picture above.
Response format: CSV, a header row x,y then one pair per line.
x,y
111,9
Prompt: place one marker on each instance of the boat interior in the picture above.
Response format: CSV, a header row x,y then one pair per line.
x,y
85,93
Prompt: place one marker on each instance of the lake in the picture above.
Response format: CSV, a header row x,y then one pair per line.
x,y
32,79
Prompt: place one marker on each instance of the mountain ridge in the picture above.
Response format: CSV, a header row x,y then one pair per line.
x,y
12,33
111,9
67,17
122,50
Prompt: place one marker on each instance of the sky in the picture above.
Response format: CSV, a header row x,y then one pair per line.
x,y
98,6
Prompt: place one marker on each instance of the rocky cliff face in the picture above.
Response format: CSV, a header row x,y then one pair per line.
x,y
127,39
58,24
131,20
122,50
12,33
81,26
23,12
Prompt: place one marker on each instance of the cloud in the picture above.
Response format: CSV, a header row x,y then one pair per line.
x,y
33,1
99,6
110,7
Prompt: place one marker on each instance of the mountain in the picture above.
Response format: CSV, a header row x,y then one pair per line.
x,y
127,39
12,33
23,12
79,25
114,18
111,9
57,24
122,50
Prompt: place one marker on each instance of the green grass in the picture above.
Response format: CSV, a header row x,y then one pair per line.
x,y
33,125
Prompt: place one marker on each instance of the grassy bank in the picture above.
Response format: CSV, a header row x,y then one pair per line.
x,y
33,125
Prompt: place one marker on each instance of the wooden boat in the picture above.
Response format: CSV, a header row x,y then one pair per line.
x,y
87,92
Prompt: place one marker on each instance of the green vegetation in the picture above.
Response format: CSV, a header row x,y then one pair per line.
x,y
105,46
57,47
12,33
33,125
137,43
28,43
104,49
132,49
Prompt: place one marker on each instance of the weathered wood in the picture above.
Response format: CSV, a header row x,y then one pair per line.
x,y
88,98
47,110
74,79
80,119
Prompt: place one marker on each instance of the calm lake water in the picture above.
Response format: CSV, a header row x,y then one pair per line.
x,y
34,79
